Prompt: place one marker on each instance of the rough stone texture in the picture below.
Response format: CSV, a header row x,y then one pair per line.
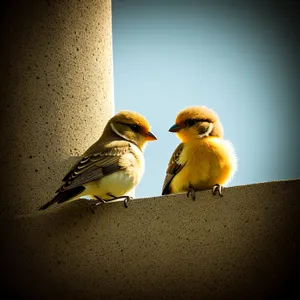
x,y
56,92
242,246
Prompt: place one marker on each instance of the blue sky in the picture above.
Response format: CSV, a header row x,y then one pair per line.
x,y
237,59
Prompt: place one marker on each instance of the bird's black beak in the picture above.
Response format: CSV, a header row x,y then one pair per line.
x,y
175,128
150,136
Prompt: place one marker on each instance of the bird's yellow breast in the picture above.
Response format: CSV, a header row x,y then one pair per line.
x,y
206,161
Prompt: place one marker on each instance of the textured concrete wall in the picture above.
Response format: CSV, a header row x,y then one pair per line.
x,y
56,93
242,246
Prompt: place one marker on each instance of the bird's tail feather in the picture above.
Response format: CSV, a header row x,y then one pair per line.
x,y
63,196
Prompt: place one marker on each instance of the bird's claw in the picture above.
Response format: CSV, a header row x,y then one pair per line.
x,y
99,201
126,199
95,203
191,191
217,188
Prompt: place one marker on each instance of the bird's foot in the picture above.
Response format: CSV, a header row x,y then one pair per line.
x,y
217,188
99,201
191,191
95,203
126,199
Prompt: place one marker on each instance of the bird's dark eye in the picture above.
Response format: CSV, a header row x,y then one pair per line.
x,y
134,127
190,122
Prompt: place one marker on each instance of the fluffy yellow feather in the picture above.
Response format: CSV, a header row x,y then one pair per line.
x,y
204,159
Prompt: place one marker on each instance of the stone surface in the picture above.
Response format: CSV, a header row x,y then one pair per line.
x,y
242,246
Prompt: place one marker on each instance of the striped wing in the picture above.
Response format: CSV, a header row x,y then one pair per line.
x,y
173,168
94,166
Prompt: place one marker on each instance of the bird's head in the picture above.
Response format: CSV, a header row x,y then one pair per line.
x,y
197,122
131,126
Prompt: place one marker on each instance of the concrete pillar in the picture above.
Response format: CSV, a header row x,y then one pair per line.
x,y
56,93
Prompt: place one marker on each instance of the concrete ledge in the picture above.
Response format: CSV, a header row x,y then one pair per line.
x,y
242,246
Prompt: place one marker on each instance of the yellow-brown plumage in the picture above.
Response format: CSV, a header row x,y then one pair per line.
x,y
112,166
203,159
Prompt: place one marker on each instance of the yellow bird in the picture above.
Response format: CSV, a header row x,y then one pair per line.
x,y
112,166
204,159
